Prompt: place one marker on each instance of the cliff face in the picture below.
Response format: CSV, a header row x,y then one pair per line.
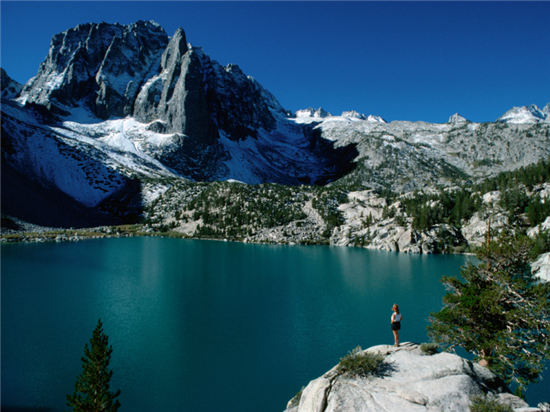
x,y
176,95
407,380
101,66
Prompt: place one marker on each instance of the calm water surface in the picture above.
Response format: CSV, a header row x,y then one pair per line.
x,y
203,326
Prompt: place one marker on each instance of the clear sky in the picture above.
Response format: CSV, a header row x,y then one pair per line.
x,y
399,60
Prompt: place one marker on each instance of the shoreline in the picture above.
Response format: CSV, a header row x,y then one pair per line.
x,y
136,230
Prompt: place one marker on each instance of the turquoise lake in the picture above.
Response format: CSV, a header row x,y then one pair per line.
x,y
202,325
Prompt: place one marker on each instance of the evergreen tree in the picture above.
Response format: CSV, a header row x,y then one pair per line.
x,y
92,389
514,200
499,313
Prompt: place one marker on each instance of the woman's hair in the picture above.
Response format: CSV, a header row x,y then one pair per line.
x,y
396,307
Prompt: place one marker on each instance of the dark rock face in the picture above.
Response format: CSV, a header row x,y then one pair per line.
x,y
334,162
103,65
238,103
9,88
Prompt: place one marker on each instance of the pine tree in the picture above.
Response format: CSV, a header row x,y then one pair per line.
x,y
92,389
499,313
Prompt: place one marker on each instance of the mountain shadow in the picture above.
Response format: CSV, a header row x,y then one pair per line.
x,y
32,202
335,162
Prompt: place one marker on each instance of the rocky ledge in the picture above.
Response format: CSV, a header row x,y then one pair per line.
x,y
408,380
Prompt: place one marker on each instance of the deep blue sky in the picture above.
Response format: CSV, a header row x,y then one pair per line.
x,y
399,60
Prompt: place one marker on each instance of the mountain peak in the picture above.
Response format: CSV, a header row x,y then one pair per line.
x,y
525,114
176,48
375,119
354,115
320,113
456,118
97,64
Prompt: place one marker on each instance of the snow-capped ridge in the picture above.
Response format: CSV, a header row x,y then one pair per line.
x,y
526,114
375,119
352,114
319,113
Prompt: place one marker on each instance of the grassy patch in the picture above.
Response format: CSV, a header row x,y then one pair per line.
x,y
483,403
429,348
359,363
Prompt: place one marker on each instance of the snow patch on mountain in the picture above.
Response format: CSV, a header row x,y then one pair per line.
x,y
54,160
352,114
281,155
80,114
310,112
13,109
119,141
126,142
375,119
526,114
310,115
87,161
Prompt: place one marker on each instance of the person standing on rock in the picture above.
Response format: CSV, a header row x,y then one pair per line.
x,y
396,323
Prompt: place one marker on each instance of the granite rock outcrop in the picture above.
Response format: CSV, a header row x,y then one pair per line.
x,y
407,380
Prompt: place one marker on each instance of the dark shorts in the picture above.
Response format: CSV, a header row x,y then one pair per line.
x,y
396,326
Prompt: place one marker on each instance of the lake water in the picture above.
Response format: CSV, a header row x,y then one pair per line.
x,y
200,325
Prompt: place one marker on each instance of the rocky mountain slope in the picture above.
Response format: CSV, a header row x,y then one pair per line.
x,y
407,380
526,114
412,155
322,215
117,109
9,87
